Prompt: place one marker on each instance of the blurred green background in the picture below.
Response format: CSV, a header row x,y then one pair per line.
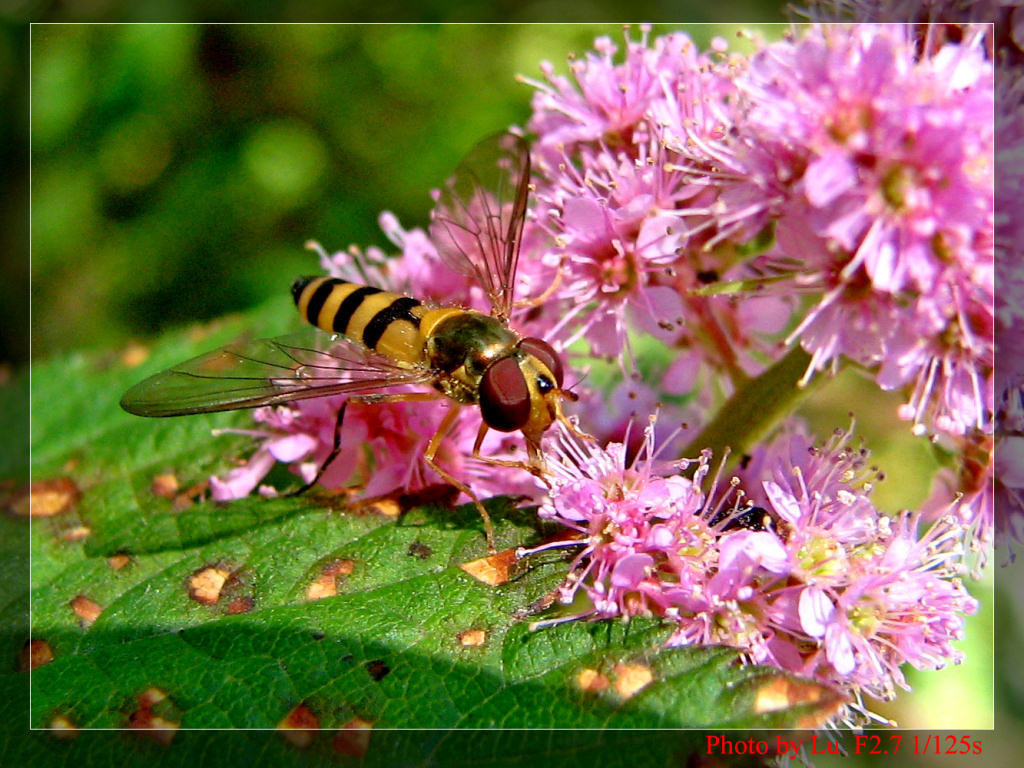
x,y
177,171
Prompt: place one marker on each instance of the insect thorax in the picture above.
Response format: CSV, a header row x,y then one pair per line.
x,y
460,348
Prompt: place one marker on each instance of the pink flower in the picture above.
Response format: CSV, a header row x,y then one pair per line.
x,y
972,493
634,522
813,578
619,225
900,605
609,102
874,164
612,242
896,207
872,593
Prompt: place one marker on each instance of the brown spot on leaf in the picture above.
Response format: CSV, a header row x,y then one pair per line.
x,y
205,584
52,497
537,606
630,679
241,604
591,681
35,653
420,550
378,669
190,496
299,726
781,693
63,728
471,638
394,506
76,533
165,486
219,583
325,586
353,738
327,583
17,501
118,561
85,609
494,569
157,728
341,567
386,507
157,717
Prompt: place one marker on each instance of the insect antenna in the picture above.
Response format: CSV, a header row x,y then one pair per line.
x,y
570,392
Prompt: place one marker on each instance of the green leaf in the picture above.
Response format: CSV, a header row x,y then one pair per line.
x,y
389,647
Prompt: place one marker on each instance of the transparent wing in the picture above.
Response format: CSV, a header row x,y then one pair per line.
x,y
478,220
248,374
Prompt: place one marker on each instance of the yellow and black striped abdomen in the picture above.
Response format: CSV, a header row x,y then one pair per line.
x,y
387,323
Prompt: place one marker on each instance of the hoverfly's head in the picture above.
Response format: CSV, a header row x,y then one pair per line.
x,y
524,390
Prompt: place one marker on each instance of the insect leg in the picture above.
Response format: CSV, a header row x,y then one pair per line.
x,y
536,301
535,463
535,466
428,456
335,450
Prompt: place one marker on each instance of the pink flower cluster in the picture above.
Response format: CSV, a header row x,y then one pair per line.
x,y
818,581
876,165
1003,32
632,228
846,173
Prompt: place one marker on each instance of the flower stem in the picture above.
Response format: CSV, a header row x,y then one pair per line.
x,y
756,408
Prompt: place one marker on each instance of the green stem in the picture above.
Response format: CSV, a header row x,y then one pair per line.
x,y
756,408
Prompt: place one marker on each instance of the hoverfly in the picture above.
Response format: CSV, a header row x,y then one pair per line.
x,y
366,342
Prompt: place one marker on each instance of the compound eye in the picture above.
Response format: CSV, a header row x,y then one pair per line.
x,y
504,396
544,352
